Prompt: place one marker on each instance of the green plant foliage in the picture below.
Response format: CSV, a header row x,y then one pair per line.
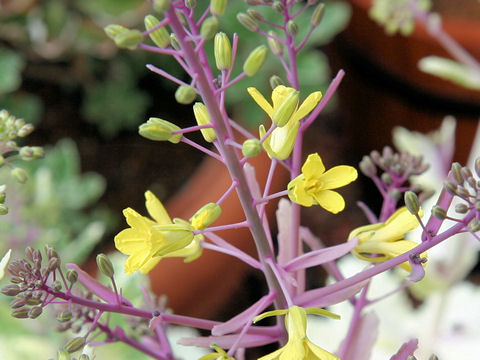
x,y
11,66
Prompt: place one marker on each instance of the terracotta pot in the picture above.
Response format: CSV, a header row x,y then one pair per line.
x,y
384,88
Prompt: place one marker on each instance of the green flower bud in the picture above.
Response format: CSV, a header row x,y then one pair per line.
x,y
254,14
274,44
411,202
251,148
161,5
21,313
64,316
317,15
11,290
174,42
20,175
209,27
474,225
203,117
450,187
3,209
105,265
461,208
255,60
72,276
275,81
159,130
457,174
191,4
38,152
26,153
185,94
75,344
218,7
25,130
286,109
63,355
222,49
160,37
129,39
18,302
439,212
84,357
278,7
35,312
247,21
53,264
292,28
386,178
205,216
367,166
113,30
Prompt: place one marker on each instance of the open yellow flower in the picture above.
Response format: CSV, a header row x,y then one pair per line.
x,y
285,112
383,241
314,185
147,241
298,346
218,354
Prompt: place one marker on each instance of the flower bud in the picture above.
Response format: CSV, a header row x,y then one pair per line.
x,y
205,216
20,175
411,202
113,30
35,312
439,212
21,313
474,225
159,130
251,148
247,21
450,187
286,109
275,81
254,14
317,15
3,209
75,344
26,153
191,4
274,44
367,166
161,5
174,42
64,316
386,178
185,94
218,7
203,118
292,28
105,265
278,7
461,208
57,285
25,130
38,152
160,37
255,60
177,236
209,27
63,355
223,51
457,172
18,302
53,264
129,39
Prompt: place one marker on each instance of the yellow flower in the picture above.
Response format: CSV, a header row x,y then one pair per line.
x,y
313,186
219,354
298,346
383,241
286,113
147,241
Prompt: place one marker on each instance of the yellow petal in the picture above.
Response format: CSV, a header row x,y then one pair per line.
x,y
136,260
338,176
397,225
137,221
130,240
364,233
268,314
150,264
318,352
330,201
386,250
282,140
313,167
279,94
307,106
300,196
261,101
296,323
156,209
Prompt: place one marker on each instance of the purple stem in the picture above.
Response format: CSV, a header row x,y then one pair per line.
x,y
158,50
162,23
238,225
165,74
202,149
238,254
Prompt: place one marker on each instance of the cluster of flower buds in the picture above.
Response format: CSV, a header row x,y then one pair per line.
x,y
464,185
397,167
28,279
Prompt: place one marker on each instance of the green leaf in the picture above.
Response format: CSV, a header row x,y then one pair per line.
x,y
11,66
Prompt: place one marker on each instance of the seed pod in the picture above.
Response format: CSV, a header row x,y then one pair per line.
x,y
255,60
